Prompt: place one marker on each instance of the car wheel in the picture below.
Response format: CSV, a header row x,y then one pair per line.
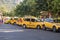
x,y
9,23
54,29
24,26
38,27
14,23
44,27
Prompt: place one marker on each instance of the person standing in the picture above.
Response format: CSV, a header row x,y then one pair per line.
x,y
42,18
1,19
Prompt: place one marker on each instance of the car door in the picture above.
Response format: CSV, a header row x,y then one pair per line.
x,y
33,23
27,22
48,24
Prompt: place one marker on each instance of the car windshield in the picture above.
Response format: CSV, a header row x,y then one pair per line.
x,y
49,20
38,20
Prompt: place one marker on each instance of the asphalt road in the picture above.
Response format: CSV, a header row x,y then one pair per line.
x,y
14,32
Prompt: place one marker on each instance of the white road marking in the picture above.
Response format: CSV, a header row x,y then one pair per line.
x,y
10,30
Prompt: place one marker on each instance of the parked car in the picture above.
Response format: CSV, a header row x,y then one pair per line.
x,y
7,20
19,21
13,20
30,22
50,24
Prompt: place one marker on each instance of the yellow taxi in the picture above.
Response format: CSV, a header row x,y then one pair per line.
x,y
30,22
13,20
19,21
7,20
50,24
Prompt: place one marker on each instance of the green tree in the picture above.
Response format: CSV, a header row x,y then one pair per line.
x,y
33,7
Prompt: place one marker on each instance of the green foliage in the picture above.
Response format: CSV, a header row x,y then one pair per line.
x,y
33,7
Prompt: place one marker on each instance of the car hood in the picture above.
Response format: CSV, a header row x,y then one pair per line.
x,y
58,24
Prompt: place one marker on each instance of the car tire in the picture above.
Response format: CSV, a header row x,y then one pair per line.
x,y
38,27
24,26
14,23
44,27
54,29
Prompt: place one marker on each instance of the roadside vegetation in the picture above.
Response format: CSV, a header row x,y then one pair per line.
x,y
34,7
